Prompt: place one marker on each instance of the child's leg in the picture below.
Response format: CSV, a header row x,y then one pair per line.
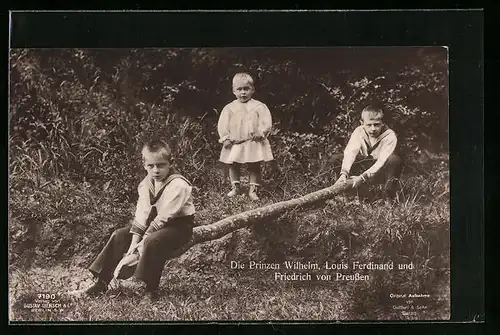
x,y
107,260
255,179
388,175
234,172
392,168
234,176
255,173
359,166
160,246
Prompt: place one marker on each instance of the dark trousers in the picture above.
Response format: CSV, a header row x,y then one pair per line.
x,y
388,175
158,247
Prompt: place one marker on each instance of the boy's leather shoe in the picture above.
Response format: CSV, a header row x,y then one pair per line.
x,y
97,288
151,296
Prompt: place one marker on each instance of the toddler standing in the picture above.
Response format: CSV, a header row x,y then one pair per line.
x,y
243,127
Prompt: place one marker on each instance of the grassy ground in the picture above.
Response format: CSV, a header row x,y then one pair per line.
x,y
202,297
56,231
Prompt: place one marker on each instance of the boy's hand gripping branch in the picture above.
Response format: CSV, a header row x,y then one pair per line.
x,y
358,180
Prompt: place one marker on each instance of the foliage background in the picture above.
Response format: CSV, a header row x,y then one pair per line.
x,y
79,116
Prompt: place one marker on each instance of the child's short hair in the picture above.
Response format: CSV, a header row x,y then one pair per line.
x,y
243,76
157,146
373,111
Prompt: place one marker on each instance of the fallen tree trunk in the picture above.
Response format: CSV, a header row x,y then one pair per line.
x,y
230,224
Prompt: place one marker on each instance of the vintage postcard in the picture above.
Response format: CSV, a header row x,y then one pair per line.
x,y
339,212
194,184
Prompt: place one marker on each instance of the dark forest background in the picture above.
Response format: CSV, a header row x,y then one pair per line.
x,y
86,112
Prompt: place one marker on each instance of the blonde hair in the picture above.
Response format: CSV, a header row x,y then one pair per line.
x,y
157,146
243,76
373,112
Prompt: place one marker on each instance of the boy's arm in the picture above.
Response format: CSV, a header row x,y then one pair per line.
x,y
223,125
141,212
387,148
173,199
350,152
265,120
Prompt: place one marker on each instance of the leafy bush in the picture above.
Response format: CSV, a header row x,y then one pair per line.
x,y
83,111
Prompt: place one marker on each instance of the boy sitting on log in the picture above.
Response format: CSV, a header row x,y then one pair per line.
x,y
163,223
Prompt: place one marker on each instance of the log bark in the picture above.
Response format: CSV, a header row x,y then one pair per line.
x,y
230,224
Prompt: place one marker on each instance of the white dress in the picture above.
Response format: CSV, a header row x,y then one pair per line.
x,y
239,122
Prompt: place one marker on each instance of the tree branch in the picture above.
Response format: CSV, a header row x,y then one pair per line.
x,y
228,225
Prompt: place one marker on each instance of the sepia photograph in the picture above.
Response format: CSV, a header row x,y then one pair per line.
x,y
229,184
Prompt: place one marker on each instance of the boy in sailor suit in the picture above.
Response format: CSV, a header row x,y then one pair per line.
x,y
371,149
163,223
